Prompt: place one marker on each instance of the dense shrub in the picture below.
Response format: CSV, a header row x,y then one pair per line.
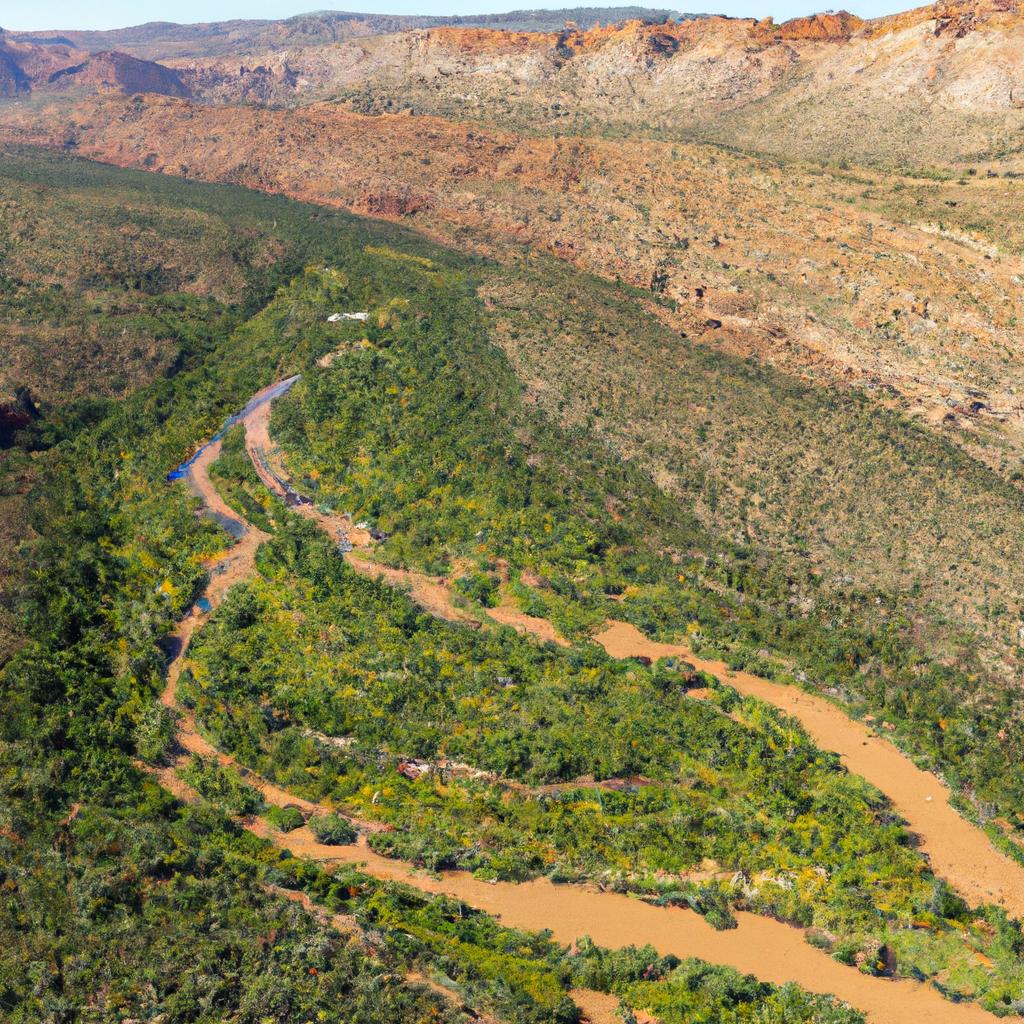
x,y
285,819
332,829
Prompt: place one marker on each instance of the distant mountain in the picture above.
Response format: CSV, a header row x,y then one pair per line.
x,y
927,87
57,67
158,40
13,79
937,84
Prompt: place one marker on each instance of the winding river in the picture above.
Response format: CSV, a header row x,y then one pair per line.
x,y
769,949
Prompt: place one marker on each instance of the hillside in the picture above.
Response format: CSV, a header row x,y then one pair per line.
x,y
161,40
938,85
513,519
28,67
802,270
271,709
882,280
107,285
212,871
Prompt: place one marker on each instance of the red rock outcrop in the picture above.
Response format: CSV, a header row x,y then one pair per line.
x,y
120,72
29,67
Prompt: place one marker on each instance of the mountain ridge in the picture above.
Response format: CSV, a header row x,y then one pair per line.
x,y
161,39
938,85
29,68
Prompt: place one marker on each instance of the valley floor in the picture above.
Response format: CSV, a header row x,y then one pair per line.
x,y
769,949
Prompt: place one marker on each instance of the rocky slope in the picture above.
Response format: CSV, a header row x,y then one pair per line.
x,y
898,284
937,85
29,67
13,79
942,83
799,268
160,39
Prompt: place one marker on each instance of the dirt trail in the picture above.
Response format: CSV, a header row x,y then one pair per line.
x,y
603,1008
429,592
265,457
773,951
959,851
508,614
767,948
597,1008
432,593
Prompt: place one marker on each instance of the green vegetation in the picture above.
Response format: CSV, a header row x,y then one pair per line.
x,y
285,819
119,902
105,288
155,733
354,444
679,992
110,280
848,498
222,786
238,484
345,657
463,471
691,993
147,908
332,829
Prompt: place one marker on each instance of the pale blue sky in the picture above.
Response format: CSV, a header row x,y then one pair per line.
x,y
69,14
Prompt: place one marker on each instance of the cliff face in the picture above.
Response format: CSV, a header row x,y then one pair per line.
x,y
820,27
161,41
33,65
118,72
934,85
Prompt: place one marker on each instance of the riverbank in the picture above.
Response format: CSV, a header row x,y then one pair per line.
x,y
769,949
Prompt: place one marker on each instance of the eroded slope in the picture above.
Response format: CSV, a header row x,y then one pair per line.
x,y
821,275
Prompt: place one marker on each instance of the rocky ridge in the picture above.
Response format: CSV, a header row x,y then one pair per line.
x,y
30,68
789,265
938,84
159,40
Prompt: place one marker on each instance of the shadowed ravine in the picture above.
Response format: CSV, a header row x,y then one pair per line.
x,y
767,948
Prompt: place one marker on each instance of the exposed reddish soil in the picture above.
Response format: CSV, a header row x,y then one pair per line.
x,y
959,851
266,460
774,262
597,1007
28,67
432,593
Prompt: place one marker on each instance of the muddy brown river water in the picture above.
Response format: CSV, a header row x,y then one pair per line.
x,y
958,851
769,949
761,946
